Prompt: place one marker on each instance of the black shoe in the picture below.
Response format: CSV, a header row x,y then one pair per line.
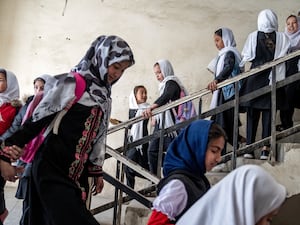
x,y
264,155
283,127
279,127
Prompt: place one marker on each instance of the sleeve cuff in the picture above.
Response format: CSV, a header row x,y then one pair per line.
x,y
95,171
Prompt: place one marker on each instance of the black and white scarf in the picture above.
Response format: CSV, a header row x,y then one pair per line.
x,y
103,52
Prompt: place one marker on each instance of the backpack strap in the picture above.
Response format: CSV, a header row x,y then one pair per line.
x,y
80,86
79,90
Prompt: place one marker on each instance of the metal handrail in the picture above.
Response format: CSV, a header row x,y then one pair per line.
x,y
205,91
198,95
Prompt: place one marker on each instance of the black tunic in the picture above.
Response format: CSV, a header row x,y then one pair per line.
x,y
60,168
265,50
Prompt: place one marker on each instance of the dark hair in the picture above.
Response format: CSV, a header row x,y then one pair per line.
x,y
136,88
3,71
218,32
292,15
39,79
215,132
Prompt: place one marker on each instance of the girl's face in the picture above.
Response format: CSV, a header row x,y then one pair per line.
x,y
219,42
141,95
267,219
116,70
292,25
38,86
213,152
158,73
3,83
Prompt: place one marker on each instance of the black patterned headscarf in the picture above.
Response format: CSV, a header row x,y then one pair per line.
x,y
103,52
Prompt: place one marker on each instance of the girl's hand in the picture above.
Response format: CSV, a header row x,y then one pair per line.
x,y
97,185
147,113
212,85
14,151
8,172
153,121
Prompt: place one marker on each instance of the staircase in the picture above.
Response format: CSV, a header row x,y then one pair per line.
x,y
283,163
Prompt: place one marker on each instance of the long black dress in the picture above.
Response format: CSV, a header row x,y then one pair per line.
x,y
265,50
61,167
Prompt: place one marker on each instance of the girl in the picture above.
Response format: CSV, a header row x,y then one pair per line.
x,y
195,151
42,85
9,99
288,100
248,195
137,104
226,66
262,46
74,145
169,90
9,104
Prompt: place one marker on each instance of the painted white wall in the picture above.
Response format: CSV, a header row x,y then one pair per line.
x,y
40,36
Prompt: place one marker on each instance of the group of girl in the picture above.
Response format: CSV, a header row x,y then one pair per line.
x,y
170,89
74,117
75,126
198,148
262,46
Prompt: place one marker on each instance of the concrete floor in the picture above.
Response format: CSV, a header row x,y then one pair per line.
x,y
14,207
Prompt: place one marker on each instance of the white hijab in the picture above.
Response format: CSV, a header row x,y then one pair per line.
x,y
294,37
12,90
229,45
243,197
136,131
267,22
168,73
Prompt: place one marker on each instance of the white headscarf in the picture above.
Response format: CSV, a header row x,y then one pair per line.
x,y
12,90
136,131
294,37
50,82
243,197
229,45
267,22
168,73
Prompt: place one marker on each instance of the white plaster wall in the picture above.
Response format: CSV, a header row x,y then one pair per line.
x,y
39,36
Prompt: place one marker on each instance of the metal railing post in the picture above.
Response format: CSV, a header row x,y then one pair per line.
x,y
273,116
161,145
235,124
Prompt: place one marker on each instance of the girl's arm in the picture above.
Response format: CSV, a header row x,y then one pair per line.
x,y
28,131
229,62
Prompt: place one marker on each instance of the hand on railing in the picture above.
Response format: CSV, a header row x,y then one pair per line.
x,y
212,85
114,121
148,112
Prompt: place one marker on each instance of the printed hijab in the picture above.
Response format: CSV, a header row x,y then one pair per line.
x,y
187,151
103,52
12,90
244,196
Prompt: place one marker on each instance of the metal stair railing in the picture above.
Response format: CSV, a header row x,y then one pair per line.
x,y
122,160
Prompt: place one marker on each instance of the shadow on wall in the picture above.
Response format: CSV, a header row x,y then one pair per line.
x,y
289,212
